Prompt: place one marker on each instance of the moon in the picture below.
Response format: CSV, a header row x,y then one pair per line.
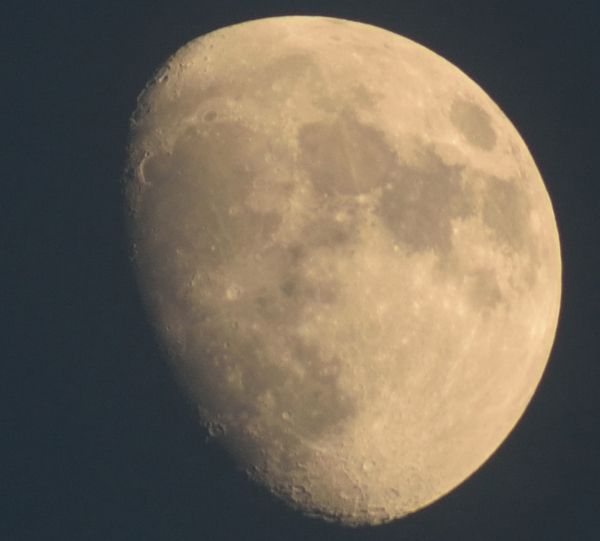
x,y
349,255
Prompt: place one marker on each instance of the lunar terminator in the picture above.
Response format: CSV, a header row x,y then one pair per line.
x,y
350,256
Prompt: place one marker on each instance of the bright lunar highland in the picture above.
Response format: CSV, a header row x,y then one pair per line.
x,y
349,255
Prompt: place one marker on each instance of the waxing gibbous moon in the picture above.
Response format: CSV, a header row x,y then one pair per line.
x,y
349,255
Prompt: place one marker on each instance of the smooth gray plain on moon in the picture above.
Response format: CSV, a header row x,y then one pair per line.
x,y
350,256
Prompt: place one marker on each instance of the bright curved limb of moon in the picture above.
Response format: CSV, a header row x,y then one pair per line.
x,y
350,256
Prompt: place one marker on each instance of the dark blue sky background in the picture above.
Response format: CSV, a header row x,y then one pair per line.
x,y
97,442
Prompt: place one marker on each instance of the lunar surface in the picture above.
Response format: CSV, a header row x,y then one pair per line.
x,y
349,255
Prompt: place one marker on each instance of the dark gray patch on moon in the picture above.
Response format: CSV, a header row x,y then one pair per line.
x,y
297,286
344,157
483,289
296,404
505,211
420,201
321,404
283,301
273,83
289,67
242,381
474,123
324,231
363,97
196,196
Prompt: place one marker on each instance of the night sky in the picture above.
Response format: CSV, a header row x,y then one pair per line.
x,y
96,441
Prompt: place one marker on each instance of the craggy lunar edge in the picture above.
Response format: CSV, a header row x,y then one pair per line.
x,y
350,257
